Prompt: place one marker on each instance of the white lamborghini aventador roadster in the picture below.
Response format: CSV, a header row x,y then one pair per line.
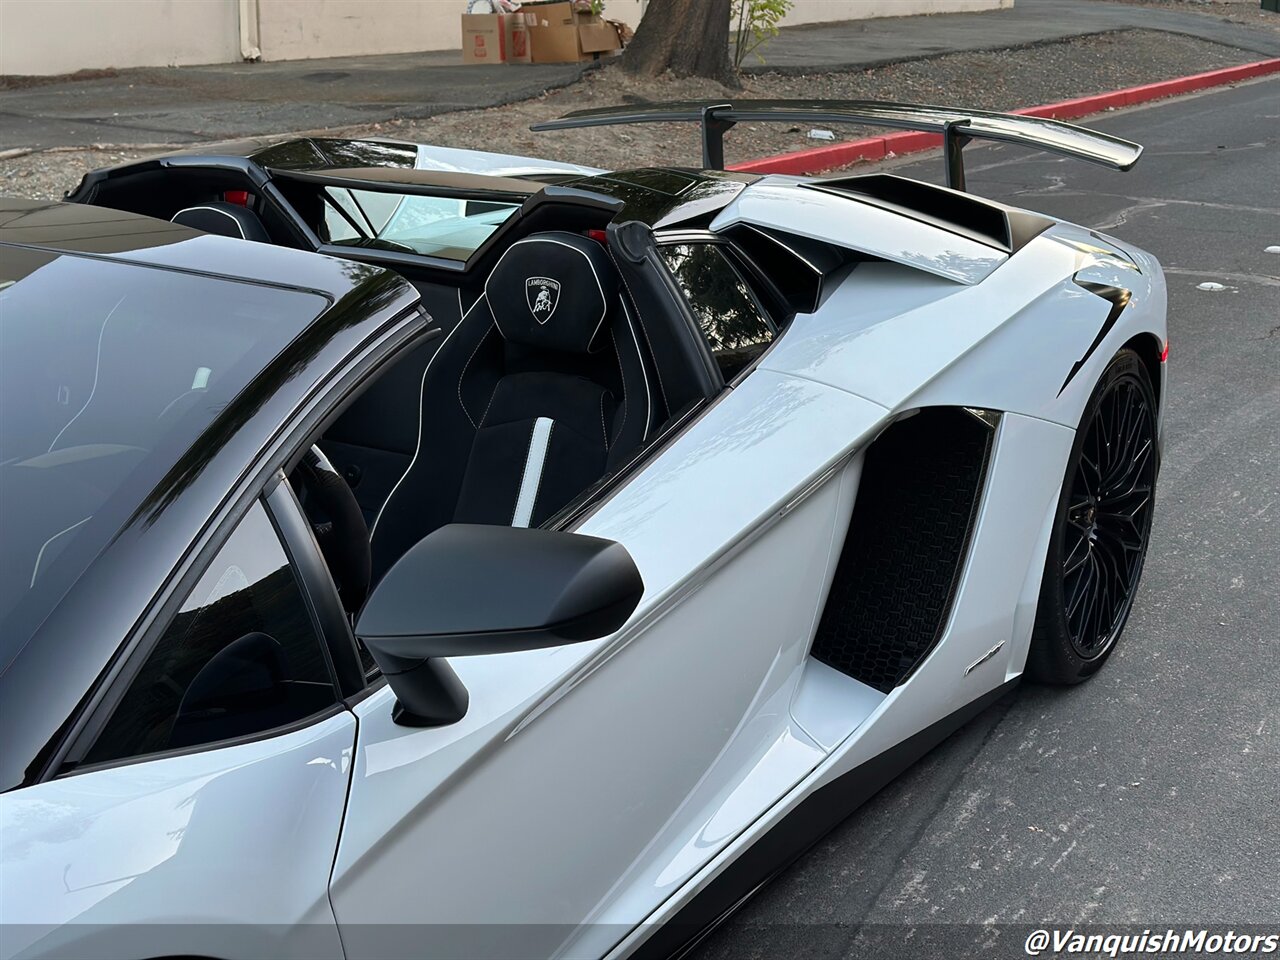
x,y
533,559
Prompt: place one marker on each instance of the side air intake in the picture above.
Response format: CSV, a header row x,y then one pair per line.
x,y
894,585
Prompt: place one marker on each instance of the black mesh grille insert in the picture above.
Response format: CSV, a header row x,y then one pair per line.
x,y
901,562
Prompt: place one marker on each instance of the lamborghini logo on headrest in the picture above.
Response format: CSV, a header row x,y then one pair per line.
x,y
543,296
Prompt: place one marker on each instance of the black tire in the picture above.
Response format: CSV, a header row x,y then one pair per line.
x,y
1103,524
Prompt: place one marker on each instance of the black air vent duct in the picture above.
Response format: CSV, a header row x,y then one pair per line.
x,y
897,576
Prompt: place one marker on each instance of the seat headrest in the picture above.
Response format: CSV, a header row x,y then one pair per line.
x,y
225,220
553,291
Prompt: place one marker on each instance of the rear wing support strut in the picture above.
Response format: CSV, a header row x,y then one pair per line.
x,y
953,144
714,126
957,127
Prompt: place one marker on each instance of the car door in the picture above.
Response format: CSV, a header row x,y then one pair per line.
x,y
203,813
587,784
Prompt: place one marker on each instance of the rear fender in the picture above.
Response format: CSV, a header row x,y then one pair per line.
x,y
1030,339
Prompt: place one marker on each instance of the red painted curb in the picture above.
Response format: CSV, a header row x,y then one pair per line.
x,y
817,159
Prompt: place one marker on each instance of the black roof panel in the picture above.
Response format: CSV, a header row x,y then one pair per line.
x,y
87,230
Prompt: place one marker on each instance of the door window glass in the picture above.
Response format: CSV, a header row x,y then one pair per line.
x,y
241,657
733,322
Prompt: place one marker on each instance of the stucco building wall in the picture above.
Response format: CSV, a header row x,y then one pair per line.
x,y
48,37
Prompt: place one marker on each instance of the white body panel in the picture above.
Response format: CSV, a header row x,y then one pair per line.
x,y
781,203
616,768
906,339
592,790
219,853
903,339
990,608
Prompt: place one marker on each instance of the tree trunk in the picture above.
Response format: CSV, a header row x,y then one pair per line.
x,y
688,37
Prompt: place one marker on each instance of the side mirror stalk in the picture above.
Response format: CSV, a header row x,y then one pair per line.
x,y
428,695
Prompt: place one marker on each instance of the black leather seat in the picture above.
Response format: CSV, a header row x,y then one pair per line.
x,y
225,220
537,393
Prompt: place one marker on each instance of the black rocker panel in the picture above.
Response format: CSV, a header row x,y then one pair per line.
x,y
902,558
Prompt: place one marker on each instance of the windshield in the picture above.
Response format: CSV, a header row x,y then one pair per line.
x,y
411,223
109,372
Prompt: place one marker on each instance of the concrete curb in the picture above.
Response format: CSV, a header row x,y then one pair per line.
x,y
819,159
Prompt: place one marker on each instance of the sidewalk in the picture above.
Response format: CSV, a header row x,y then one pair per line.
x,y
217,102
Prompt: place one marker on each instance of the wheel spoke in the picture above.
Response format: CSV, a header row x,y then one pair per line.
x,y
1087,477
1130,475
1076,557
1120,434
1083,585
1090,614
1126,532
1113,558
1134,453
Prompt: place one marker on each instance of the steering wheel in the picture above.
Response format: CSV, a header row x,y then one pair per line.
x,y
338,525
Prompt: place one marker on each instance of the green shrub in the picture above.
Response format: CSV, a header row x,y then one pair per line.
x,y
755,24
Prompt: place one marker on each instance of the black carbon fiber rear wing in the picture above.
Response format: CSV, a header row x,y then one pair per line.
x,y
956,126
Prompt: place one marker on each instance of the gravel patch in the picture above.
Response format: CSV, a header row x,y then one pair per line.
x,y
994,80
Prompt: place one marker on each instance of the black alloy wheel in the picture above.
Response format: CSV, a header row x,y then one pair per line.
x,y
1099,542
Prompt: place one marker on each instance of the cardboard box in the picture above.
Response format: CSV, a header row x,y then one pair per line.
x,y
563,34
515,36
598,36
495,38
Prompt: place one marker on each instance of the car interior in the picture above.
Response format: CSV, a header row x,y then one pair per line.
x,y
565,352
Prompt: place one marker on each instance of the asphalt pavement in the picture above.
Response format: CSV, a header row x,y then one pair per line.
x,y
225,100
1150,794
859,44
170,105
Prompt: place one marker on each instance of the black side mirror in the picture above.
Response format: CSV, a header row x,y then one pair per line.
x,y
469,589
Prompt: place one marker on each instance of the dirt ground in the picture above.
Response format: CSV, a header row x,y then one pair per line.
x,y
999,80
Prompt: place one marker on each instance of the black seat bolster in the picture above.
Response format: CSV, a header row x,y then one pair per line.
x,y
424,497
634,417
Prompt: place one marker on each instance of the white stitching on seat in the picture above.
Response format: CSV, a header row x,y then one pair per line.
x,y
484,416
239,226
622,375
479,343
421,419
603,428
